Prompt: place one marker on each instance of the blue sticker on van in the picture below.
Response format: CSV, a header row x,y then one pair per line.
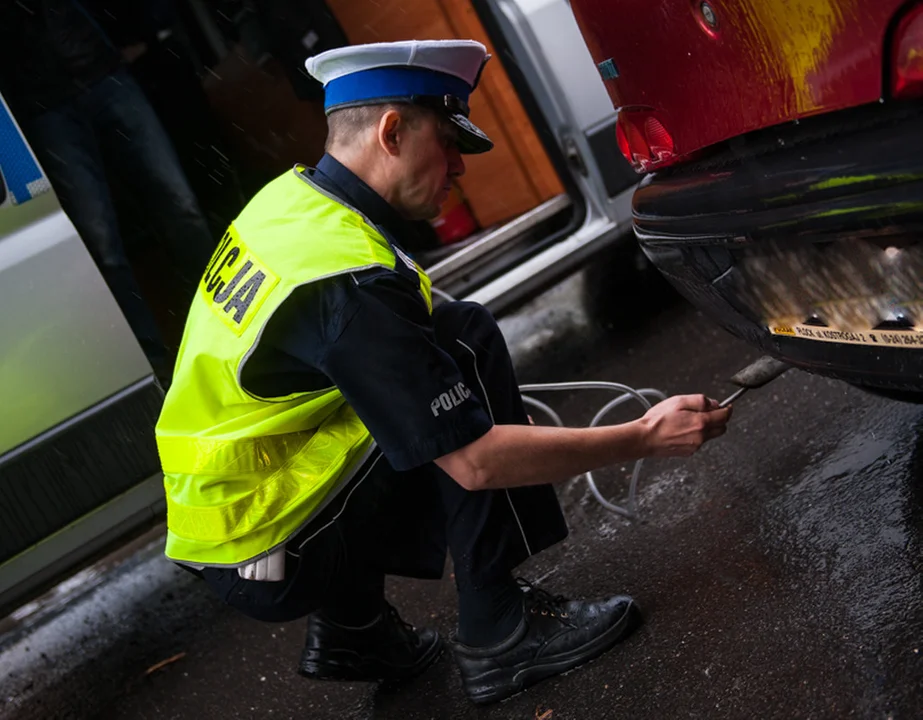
x,y
608,69
23,177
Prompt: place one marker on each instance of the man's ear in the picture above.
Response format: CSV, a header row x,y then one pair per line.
x,y
390,127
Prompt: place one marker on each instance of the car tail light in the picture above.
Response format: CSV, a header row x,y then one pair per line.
x,y
907,56
658,139
622,138
644,140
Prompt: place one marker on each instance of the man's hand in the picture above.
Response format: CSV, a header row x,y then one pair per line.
x,y
516,455
680,425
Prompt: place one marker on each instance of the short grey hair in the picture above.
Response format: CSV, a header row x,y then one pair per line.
x,y
344,124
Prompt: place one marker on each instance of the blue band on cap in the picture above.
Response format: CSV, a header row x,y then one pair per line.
x,y
391,82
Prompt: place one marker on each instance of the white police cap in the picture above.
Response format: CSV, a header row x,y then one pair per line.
x,y
440,74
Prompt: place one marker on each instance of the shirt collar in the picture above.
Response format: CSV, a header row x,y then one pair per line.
x,y
352,189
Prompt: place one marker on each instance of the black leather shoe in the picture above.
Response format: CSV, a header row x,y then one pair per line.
x,y
554,636
388,651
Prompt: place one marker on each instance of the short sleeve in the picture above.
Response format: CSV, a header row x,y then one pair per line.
x,y
382,355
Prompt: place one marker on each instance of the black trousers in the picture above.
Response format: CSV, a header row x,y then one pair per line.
x,y
402,523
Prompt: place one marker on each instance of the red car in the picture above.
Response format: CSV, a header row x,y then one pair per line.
x,y
782,143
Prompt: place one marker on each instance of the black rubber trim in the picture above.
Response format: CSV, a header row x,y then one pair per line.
x,y
789,137
54,479
847,169
617,174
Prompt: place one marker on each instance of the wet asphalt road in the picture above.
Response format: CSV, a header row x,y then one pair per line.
x,y
779,570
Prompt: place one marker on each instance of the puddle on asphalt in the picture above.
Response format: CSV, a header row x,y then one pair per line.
x,y
851,522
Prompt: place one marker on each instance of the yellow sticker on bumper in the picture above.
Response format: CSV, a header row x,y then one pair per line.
x,y
882,338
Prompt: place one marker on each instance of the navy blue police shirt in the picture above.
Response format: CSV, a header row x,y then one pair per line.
x,y
370,334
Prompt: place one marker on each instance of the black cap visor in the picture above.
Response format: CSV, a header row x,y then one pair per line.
x,y
471,139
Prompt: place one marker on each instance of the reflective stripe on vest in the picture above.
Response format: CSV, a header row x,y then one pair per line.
x,y
243,473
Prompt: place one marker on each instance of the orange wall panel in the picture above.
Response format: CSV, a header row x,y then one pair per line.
x,y
503,100
516,175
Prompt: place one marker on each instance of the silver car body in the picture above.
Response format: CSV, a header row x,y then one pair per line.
x,y
67,352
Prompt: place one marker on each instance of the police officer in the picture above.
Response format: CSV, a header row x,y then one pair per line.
x,y
326,426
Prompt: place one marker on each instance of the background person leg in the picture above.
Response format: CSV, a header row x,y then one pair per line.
x,y
67,148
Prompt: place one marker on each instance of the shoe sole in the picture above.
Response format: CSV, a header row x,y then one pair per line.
x,y
346,666
498,685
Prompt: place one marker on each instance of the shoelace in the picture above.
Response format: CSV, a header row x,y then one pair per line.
x,y
398,620
542,602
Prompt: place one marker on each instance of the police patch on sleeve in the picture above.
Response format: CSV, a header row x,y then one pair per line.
x,y
236,283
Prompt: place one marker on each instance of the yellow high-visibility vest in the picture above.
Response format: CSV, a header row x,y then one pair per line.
x,y
243,473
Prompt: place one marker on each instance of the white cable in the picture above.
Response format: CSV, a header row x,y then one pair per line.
x,y
442,293
628,393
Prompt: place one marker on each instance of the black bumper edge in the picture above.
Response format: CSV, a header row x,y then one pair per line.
x,y
60,476
845,185
850,172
